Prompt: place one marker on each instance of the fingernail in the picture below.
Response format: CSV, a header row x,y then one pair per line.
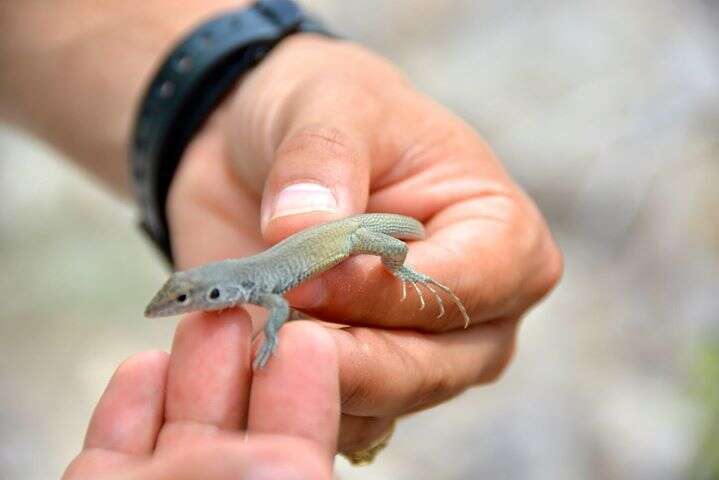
x,y
262,471
303,198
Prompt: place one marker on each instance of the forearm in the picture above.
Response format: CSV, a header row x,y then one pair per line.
x,y
72,72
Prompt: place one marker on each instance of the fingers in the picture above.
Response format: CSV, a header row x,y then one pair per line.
x,y
129,414
321,164
297,393
208,377
231,457
306,120
127,419
388,373
491,266
486,242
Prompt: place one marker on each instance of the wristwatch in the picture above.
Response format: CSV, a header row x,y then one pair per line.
x,y
193,79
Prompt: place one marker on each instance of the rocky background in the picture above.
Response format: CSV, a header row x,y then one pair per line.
x,y
606,112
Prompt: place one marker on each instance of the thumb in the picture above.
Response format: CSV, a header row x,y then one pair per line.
x,y
306,127
320,172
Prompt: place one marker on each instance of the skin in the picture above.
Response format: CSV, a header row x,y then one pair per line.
x,y
317,112
198,412
401,153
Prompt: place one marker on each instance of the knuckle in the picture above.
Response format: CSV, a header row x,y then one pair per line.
x,y
509,240
358,433
319,141
359,390
536,265
438,386
357,397
552,271
501,357
435,140
543,256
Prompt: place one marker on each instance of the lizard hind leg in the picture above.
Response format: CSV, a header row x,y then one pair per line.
x,y
393,253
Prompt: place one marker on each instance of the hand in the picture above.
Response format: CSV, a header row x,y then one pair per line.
x,y
178,416
322,129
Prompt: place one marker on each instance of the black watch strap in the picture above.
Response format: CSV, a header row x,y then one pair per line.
x,y
189,84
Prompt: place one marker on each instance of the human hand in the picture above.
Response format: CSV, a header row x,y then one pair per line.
x,y
349,132
180,416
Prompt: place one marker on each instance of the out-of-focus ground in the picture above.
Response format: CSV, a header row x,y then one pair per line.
x,y
607,113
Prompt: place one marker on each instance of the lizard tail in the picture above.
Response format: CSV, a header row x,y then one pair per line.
x,y
397,226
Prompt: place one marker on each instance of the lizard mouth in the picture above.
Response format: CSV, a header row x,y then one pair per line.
x,y
156,311
151,312
159,306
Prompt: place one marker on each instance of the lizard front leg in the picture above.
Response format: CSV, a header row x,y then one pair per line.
x,y
279,313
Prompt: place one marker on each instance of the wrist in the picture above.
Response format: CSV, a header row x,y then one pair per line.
x,y
75,73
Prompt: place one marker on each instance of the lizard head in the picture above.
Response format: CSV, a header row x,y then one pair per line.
x,y
197,289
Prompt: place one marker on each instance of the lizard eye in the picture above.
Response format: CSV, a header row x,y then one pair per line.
x,y
214,294
182,298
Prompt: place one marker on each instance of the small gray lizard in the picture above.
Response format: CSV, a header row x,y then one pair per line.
x,y
262,279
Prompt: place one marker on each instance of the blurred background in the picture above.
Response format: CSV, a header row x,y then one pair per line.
x,y
606,112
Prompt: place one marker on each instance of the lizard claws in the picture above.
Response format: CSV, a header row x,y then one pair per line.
x,y
419,294
406,274
455,299
440,303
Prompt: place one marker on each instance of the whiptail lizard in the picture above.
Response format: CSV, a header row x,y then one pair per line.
x,y
262,279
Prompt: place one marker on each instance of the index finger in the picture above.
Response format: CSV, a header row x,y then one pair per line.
x,y
208,378
298,392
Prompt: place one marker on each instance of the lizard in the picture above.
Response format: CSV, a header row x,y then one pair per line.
x,y
262,279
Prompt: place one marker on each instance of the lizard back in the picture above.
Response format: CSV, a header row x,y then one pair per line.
x,y
317,249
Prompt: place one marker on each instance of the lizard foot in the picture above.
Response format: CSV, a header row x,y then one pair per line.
x,y
268,348
407,275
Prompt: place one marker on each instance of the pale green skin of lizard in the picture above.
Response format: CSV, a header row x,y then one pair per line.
x,y
262,279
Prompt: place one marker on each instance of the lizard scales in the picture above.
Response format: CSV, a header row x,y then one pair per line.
x,y
262,279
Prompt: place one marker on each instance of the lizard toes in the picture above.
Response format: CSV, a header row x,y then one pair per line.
x,y
264,353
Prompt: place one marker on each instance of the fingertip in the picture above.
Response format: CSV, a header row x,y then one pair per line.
x,y
232,319
151,360
310,341
306,344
